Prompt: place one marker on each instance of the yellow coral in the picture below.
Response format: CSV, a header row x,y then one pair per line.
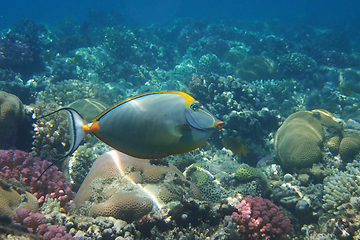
x,y
349,147
298,140
11,200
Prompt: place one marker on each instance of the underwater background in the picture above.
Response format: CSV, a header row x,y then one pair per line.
x,y
283,76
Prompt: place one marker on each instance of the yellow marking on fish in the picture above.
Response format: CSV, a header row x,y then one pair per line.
x,y
235,146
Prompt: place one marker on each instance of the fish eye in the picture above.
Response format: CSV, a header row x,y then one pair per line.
x,y
194,106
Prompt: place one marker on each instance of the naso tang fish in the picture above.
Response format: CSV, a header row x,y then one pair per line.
x,y
150,125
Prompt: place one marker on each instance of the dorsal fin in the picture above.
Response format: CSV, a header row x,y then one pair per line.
x,y
185,95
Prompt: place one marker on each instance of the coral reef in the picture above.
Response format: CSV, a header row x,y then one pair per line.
x,y
71,90
259,218
340,187
256,68
20,166
15,54
210,188
51,136
28,219
128,188
254,181
295,64
209,63
11,230
34,222
251,74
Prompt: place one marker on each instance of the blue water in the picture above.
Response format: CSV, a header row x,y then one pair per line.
x,y
142,12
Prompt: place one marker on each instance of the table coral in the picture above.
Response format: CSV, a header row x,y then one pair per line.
x,y
19,165
259,218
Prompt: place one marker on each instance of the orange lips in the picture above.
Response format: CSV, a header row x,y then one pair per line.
x,y
218,124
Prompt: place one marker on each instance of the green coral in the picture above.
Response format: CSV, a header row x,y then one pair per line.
x,y
198,175
246,173
201,177
210,188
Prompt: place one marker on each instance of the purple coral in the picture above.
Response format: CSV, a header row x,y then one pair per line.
x,y
33,221
53,232
259,218
14,53
28,219
21,166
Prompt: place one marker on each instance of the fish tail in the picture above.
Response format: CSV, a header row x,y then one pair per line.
x,y
76,129
77,132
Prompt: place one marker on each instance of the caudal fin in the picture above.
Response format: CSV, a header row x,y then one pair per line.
x,y
75,128
76,132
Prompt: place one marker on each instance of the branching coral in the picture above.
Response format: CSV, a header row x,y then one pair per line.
x,y
340,187
34,223
259,218
20,166
14,54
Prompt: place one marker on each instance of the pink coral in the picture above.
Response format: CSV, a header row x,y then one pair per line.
x,y
21,166
259,218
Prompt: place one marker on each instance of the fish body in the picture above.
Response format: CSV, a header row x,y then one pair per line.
x,y
151,125
235,146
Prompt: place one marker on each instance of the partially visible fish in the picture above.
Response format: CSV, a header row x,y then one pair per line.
x,y
264,159
235,146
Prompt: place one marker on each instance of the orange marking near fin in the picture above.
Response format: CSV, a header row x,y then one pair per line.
x,y
94,127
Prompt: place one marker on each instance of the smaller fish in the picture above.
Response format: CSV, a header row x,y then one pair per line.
x,y
235,146
264,159
76,59
347,91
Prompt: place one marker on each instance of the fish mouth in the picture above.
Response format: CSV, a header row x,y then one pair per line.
x,y
218,124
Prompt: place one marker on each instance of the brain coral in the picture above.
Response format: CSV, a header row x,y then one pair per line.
x,y
298,142
349,147
123,206
128,188
11,117
13,198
